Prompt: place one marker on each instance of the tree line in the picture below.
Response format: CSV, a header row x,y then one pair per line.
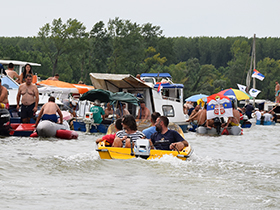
x,y
203,64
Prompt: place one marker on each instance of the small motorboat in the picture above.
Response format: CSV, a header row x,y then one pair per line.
x,y
141,149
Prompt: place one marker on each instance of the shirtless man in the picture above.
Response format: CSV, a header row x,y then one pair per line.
x,y
121,111
233,121
11,73
55,78
48,112
4,95
277,88
29,100
108,110
143,113
194,113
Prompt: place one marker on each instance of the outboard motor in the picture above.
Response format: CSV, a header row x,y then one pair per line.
x,y
217,124
142,148
4,122
88,120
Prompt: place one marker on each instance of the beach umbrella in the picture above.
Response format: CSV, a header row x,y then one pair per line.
x,y
196,97
235,94
124,97
92,95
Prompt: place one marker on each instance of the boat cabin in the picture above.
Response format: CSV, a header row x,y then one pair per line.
x,y
157,90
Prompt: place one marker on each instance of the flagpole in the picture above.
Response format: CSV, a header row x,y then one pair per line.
x,y
254,55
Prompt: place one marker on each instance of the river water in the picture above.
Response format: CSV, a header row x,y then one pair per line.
x,y
227,172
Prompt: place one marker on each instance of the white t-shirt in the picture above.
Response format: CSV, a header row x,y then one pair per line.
x,y
258,115
267,117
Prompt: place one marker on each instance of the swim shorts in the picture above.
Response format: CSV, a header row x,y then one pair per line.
x,y
27,111
50,117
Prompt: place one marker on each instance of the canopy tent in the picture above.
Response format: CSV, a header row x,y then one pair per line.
x,y
116,82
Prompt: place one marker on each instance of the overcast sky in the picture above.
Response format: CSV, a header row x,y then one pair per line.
x,y
188,18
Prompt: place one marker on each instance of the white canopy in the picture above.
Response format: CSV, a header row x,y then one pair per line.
x,y
116,82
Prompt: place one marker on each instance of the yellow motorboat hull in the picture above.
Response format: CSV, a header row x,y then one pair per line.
x,y
125,153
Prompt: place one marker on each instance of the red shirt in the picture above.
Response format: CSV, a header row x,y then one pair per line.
x,y
109,138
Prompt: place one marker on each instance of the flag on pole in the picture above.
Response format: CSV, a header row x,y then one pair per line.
x,y
159,87
254,92
242,87
258,75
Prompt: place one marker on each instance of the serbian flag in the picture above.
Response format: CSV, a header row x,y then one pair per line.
x,y
218,105
159,87
258,75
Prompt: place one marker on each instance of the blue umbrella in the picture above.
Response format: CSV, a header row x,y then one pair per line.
x,y
196,97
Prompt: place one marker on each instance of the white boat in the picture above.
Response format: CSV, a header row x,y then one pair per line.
x,y
12,86
168,101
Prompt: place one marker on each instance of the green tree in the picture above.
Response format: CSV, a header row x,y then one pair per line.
x,y
270,68
61,38
240,63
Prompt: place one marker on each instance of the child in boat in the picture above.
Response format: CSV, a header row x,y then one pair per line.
x,y
110,137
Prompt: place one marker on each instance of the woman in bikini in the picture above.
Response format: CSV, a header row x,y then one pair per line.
x,y
27,70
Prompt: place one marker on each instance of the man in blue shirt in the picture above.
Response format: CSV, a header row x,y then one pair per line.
x,y
165,139
149,131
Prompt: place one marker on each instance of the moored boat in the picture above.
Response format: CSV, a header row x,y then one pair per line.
x,y
157,90
234,130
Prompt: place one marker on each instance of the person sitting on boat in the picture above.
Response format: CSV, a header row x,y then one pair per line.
x,y
193,116
71,106
235,120
2,70
55,78
4,96
143,113
98,112
11,73
267,116
121,111
129,132
249,109
149,131
108,111
257,114
165,139
29,100
111,137
274,116
27,70
48,112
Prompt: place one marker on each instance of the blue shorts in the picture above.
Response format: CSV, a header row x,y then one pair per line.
x,y
50,117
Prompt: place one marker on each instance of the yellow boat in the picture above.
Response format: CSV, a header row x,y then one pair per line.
x,y
106,152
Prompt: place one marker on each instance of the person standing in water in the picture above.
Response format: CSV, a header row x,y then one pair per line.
x,y
29,95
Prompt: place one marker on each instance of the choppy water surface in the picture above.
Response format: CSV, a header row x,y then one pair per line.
x,y
228,172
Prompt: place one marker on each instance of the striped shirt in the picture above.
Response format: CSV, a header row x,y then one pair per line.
x,y
132,136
